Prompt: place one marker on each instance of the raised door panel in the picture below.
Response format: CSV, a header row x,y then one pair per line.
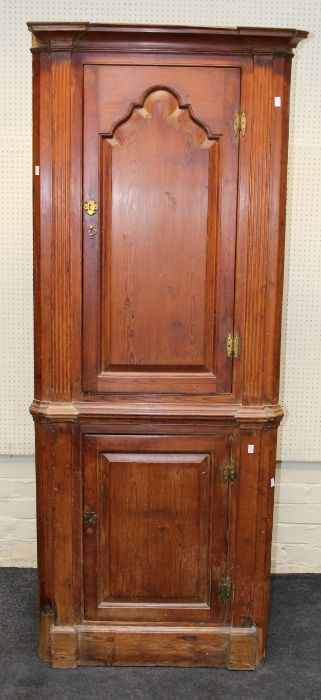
x,y
156,507
156,308
155,539
159,270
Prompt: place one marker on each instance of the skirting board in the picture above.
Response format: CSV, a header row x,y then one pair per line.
x,y
97,645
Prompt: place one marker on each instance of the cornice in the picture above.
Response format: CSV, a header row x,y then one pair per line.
x,y
144,38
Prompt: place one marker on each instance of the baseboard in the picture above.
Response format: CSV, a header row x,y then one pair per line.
x,y
133,645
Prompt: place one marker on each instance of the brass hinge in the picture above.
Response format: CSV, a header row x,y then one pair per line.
x,y
239,122
233,345
229,472
225,589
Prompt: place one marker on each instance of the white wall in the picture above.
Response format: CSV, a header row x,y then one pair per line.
x,y
296,541
17,512
299,514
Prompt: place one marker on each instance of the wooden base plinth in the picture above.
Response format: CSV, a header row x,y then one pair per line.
x,y
116,645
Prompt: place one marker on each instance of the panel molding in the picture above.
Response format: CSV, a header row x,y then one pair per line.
x,y
142,470
182,112
185,321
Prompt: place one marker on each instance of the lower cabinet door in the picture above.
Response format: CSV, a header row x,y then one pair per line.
x,y
156,524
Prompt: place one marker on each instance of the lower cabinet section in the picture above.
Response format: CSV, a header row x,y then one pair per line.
x,y
154,546
156,528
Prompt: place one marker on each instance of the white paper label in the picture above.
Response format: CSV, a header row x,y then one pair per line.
x,y
250,449
272,481
277,102
37,169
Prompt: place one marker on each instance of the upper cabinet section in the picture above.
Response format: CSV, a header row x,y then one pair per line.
x,y
159,207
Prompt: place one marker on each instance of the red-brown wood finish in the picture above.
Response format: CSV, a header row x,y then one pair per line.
x,y
140,415
161,161
159,541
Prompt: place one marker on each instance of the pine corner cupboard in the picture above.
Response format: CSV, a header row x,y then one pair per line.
x,y
159,204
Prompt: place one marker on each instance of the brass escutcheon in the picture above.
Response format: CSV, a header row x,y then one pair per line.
x,y
90,207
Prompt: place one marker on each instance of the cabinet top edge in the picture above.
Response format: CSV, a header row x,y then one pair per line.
x,y
146,37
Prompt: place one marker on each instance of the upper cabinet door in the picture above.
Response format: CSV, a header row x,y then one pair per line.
x,y
160,175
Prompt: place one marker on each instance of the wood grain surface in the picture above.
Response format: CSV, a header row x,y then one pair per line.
x,y
155,451
160,162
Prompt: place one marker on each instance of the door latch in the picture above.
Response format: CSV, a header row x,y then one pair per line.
x,y
90,517
225,589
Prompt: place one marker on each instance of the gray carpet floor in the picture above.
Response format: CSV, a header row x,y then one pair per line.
x,y
292,670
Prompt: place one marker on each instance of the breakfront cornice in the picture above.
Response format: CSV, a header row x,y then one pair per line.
x,y
87,36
